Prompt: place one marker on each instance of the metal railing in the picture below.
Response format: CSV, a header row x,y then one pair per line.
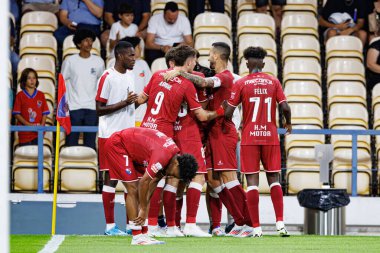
x,y
353,133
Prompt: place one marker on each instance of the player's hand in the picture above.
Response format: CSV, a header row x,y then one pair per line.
x,y
140,220
288,128
132,97
171,74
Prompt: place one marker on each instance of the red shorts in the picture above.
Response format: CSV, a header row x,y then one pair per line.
x,y
194,148
120,164
222,151
270,156
102,154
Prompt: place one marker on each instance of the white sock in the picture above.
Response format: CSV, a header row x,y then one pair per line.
x,y
109,226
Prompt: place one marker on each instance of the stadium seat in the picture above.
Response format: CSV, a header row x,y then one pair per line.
x,y
245,6
212,23
344,47
69,47
44,65
341,178
301,6
265,42
38,44
303,92
347,92
303,140
158,64
204,42
345,70
203,61
301,158
348,114
375,96
302,70
256,23
298,179
376,118
269,68
299,47
110,63
38,21
78,166
300,25
24,169
345,141
158,6
306,114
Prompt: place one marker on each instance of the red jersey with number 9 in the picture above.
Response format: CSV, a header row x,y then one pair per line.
x,y
259,94
165,99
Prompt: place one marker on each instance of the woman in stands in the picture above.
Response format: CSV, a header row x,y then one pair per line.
x,y
30,108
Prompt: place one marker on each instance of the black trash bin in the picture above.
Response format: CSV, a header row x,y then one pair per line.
x,y
324,211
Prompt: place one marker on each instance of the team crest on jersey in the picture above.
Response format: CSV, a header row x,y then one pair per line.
x,y
142,74
156,167
39,103
63,107
128,171
93,71
233,94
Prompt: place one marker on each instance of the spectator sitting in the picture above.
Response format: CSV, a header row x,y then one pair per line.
x,y
81,14
14,10
373,18
142,75
373,63
13,56
277,7
122,28
30,108
141,11
198,6
352,25
40,5
165,31
81,73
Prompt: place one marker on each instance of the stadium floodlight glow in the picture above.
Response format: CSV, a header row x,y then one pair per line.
x,y
4,128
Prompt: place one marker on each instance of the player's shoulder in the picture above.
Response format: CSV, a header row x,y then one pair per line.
x,y
269,77
198,73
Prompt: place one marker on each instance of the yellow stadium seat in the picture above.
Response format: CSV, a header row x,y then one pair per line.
x,y
347,92
203,42
25,167
302,69
348,115
299,47
38,21
345,70
300,25
203,61
298,179
375,96
250,40
212,23
158,64
304,92
297,6
44,65
69,47
300,141
306,114
78,169
256,23
38,44
158,6
341,179
344,47
269,68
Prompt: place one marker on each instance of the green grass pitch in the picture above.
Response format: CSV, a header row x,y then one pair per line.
x,y
103,244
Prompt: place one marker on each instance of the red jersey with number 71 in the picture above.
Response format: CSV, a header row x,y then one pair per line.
x,y
165,99
259,94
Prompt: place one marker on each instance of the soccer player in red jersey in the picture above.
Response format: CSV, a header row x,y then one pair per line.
x,y
140,157
222,140
259,94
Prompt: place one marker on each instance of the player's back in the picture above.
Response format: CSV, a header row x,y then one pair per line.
x,y
259,94
165,99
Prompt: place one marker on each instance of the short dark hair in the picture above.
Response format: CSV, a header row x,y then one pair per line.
x,y
181,53
82,34
188,167
133,40
24,77
254,52
171,6
121,46
223,49
169,56
125,8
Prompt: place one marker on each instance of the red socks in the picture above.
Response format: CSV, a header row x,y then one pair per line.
x,y
253,205
216,209
239,194
228,200
154,207
170,204
179,203
193,196
277,200
108,196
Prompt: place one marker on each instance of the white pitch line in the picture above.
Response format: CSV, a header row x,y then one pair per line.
x,y
53,245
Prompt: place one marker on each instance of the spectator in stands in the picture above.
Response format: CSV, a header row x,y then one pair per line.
x,y
372,18
198,6
14,9
166,30
77,15
277,7
40,5
343,18
13,56
124,27
81,72
142,75
373,63
30,108
141,11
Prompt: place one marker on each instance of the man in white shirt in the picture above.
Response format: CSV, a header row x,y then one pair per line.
x,y
165,31
116,110
81,72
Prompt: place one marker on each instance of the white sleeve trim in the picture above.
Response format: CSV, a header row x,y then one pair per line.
x,y
217,82
192,109
282,101
231,104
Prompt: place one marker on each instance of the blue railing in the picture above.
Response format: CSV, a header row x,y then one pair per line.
x,y
353,133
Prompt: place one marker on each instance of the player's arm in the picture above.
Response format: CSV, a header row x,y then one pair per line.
x,y
204,115
141,99
228,110
104,109
285,108
200,82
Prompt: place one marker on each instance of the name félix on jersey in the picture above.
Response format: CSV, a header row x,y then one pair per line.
x,y
259,81
150,123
